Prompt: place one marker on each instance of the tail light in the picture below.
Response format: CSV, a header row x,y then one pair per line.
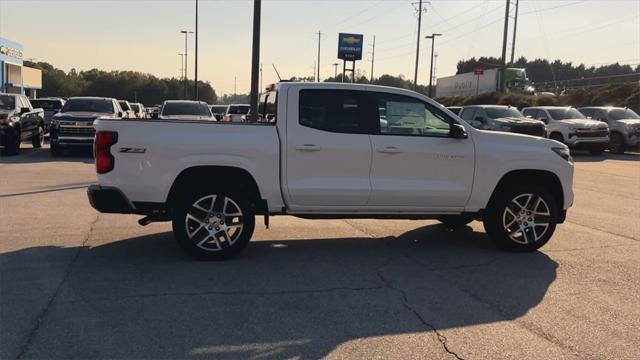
x,y
102,151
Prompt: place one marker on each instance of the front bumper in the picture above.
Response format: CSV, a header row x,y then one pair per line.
x,y
66,141
582,142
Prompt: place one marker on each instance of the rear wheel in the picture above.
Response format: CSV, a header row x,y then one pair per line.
x,y
213,225
37,138
521,218
455,220
616,143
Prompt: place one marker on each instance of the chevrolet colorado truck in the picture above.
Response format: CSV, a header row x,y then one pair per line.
x,y
568,126
501,118
326,151
19,122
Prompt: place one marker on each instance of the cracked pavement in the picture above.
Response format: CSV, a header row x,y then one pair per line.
x,y
75,284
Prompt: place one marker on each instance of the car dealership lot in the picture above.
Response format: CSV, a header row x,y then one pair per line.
x,y
78,284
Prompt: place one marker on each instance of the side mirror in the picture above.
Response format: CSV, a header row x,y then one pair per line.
x,y
457,131
24,110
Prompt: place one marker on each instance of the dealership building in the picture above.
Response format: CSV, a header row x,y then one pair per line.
x,y
15,78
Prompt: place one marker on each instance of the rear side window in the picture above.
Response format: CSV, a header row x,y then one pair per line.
x,y
339,111
467,113
267,109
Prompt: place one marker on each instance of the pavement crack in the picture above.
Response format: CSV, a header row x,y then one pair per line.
x,y
405,303
604,231
43,313
362,230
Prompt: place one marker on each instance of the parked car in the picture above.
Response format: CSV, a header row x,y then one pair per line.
x,y
624,126
325,154
51,106
568,126
501,118
127,111
455,109
19,122
236,112
185,110
218,111
138,110
72,127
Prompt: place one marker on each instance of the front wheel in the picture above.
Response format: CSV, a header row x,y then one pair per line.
x,y
521,218
455,220
212,225
37,138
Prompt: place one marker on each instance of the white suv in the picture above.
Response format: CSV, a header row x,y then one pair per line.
x,y
568,126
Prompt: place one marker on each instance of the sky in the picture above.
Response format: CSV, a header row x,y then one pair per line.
x,y
144,35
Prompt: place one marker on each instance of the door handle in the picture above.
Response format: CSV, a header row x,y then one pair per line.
x,y
308,147
390,150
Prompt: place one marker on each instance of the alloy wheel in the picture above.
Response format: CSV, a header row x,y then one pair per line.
x,y
526,218
214,222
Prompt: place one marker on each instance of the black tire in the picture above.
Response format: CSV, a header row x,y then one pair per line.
x,y
616,143
557,137
194,234
503,228
597,150
455,220
37,138
12,146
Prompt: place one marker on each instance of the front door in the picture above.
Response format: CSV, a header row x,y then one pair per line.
x,y
416,165
328,151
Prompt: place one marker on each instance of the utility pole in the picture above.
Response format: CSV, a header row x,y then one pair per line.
x,y
181,66
433,39
318,67
335,70
196,65
515,27
373,56
255,61
314,71
504,47
415,74
186,33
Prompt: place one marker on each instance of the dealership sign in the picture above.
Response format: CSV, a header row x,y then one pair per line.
x,y
350,46
14,53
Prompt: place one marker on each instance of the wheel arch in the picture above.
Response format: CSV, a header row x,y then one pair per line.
x,y
543,178
234,179
554,132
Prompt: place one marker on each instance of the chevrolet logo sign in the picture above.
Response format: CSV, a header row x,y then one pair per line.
x,y
351,40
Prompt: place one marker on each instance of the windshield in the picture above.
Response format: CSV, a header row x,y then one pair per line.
x,y
622,114
135,107
88,105
218,109
568,113
46,104
495,113
184,108
7,102
239,110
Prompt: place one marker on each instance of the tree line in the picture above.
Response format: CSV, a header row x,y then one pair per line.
x,y
125,85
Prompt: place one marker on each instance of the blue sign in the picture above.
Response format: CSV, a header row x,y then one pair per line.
x,y
350,46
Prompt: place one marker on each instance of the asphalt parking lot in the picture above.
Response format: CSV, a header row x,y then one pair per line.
x,y
78,284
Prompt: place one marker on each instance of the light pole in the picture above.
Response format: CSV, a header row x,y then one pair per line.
x,y
255,62
196,64
181,65
433,39
186,33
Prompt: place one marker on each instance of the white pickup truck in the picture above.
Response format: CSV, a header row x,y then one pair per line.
x,y
329,150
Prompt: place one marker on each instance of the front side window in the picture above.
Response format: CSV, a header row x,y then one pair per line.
x,y
467,114
124,105
403,115
332,110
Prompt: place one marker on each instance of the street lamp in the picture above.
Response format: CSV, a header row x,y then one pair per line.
x,y
181,65
186,33
433,39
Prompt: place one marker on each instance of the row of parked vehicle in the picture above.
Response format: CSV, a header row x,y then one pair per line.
x,y
594,128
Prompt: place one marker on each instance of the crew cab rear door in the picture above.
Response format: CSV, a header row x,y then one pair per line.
x,y
328,151
416,165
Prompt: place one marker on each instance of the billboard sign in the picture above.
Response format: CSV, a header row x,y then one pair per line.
x,y
350,46
478,71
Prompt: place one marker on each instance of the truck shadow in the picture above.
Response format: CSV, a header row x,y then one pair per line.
x,y
584,156
142,297
29,154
